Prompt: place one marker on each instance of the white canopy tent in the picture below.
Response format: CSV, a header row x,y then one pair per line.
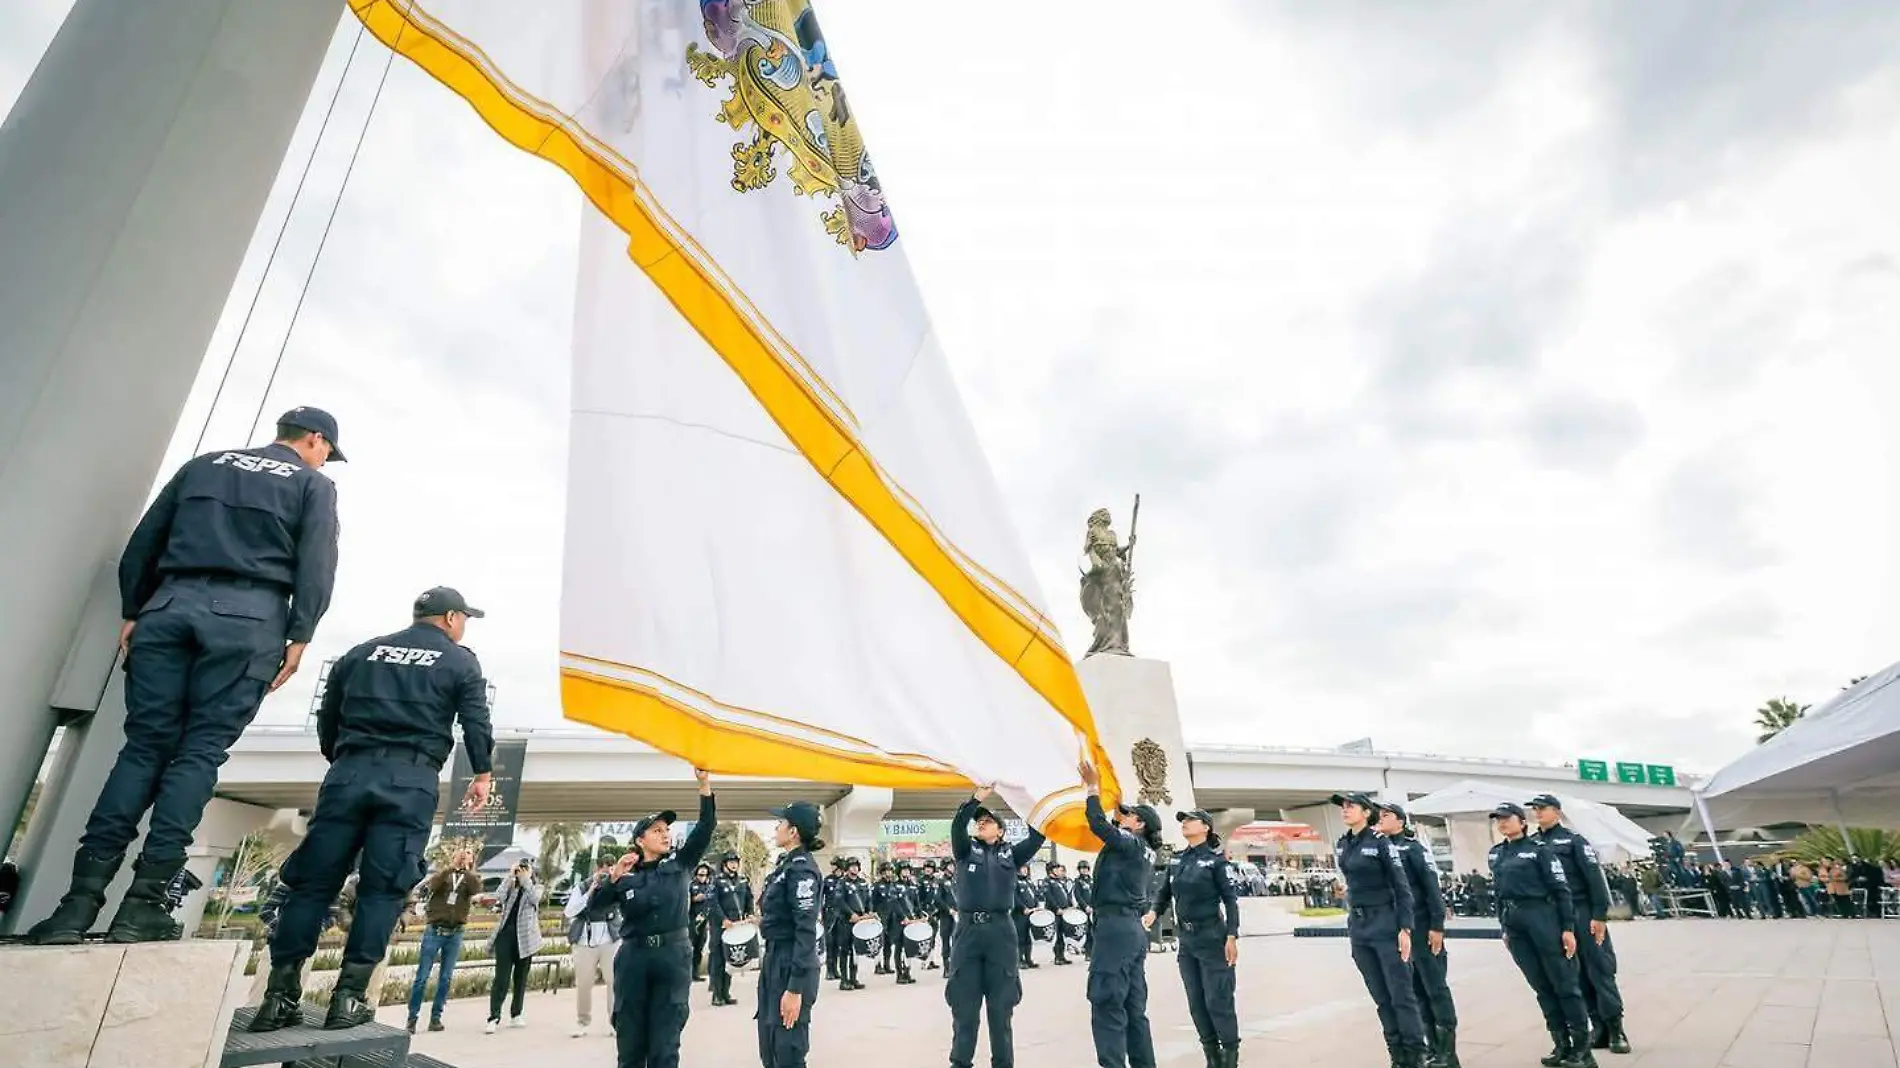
x,y
1838,765
1468,804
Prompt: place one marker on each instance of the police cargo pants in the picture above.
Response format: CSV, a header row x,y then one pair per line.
x,y
380,807
980,977
781,1046
652,977
1596,971
1118,992
1374,930
1535,939
202,657
1431,981
1209,982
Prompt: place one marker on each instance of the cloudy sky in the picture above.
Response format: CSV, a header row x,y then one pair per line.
x,y
1498,381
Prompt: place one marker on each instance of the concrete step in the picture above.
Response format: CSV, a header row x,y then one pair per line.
x,y
311,1042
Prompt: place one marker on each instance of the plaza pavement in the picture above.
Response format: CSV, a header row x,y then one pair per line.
x,y
1700,994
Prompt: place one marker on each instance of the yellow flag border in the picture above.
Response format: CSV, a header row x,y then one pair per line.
x,y
783,385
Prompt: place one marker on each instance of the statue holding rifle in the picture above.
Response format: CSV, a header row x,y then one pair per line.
x,y
1108,582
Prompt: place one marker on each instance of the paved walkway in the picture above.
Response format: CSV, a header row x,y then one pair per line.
x,y
1701,994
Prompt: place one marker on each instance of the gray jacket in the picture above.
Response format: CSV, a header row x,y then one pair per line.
x,y
528,922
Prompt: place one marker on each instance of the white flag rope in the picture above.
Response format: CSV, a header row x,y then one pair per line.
x,y
776,504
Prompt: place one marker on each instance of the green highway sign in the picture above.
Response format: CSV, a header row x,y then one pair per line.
x,y
1630,772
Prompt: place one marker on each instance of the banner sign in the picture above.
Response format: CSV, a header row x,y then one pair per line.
x,y
1628,772
493,825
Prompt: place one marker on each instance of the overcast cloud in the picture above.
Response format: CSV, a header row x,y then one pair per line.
x,y
1497,381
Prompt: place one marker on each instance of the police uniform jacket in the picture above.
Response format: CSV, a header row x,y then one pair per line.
x,y
1124,870
853,900
1582,870
654,897
788,912
1058,894
1375,880
887,901
1084,891
405,691
831,911
1524,872
700,900
258,515
1200,886
1028,896
731,897
911,906
1428,899
986,874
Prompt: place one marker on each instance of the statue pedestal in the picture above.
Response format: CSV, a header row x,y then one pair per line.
x,y
1134,706
152,1005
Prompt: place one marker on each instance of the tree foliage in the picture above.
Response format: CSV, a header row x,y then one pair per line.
x,y
559,843
1776,716
1869,842
736,838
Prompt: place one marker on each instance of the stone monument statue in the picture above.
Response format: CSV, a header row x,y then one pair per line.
x,y
1108,582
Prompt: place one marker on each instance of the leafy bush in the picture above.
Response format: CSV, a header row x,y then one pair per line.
x,y
1869,842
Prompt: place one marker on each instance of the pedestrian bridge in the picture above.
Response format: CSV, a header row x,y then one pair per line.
x,y
582,775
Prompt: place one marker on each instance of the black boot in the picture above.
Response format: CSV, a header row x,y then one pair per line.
x,y
1560,1049
1447,1047
1230,1055
1392,1051
349,1001
283,998
1599,1035
1580,1055
145,915
79,909
1210,1049
1618,1041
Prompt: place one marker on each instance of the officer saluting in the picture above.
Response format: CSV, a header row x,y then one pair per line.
x,y
1533,900
1429,980
1207,907
788,923
981,972
1590,898
1378,894
221,586
385,726
1118,976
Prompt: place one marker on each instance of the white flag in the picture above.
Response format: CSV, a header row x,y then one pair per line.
x,y
786,554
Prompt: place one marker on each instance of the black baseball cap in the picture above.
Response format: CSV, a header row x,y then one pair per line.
x,y
1363,800
319,421
1205,817
805,818
1545,801
1508,809
646,822
983,813
1396,810
441,600
1150,819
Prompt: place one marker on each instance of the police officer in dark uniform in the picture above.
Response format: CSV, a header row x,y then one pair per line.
x,y
1429,971
1200,886
1118,977
981,975
731,903
1378,893
700,910
1058,893
1534,909
653,969
1590,898
221,586
886,897
946,910
903,910
1085,900
930,891
385,726
854,905
830,919
789,909
1028,899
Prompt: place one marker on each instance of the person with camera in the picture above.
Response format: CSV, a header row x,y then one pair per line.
x,y
446,896
593,937
514,942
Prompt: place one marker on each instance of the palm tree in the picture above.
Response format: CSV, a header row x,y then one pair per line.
x,y
559,843
1853,682
1776,716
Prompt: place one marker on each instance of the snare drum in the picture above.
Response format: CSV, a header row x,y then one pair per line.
x,y
1075,924
919,939
741,944
867,938
1042,925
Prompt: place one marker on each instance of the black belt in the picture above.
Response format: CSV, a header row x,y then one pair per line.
x,y
446,928
215,578
1191,926
983,915
393,754
655,941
